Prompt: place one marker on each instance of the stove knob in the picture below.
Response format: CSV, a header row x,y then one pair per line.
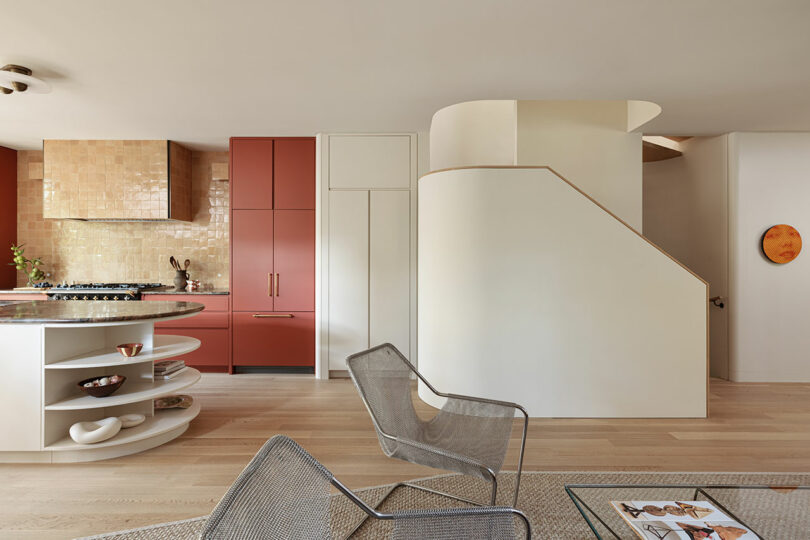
x,y
115,298
95,297
106,298
75,297
84,297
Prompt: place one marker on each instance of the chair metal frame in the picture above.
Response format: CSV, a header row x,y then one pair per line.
x,y
457,457
256,464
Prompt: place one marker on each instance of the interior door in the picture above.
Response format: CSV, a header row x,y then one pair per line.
x,y
294,174
294,260
252,265
348,275
252,173
390,269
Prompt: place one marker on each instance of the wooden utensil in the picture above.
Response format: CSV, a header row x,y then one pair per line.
x,y
174,262
186,264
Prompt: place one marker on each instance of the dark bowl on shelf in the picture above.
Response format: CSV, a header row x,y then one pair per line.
x,y
100,391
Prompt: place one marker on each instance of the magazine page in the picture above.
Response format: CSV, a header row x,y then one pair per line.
x,y
676,520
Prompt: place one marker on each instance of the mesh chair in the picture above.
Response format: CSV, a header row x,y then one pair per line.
x,y
284,493
468,435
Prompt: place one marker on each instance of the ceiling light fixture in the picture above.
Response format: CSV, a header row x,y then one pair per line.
x,y
18,78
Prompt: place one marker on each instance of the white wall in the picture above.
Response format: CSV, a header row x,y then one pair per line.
x,y
473,133
769,184
530,292
587,143
686,214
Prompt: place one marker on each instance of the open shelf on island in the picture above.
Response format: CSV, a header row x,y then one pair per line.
x,y
162,422
129,393
164,347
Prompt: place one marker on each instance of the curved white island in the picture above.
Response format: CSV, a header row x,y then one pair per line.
x,y
47,347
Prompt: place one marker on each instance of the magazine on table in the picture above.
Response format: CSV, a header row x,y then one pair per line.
x,y
676,520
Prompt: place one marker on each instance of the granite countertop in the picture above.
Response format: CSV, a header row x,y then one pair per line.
x,y
44,311
169,289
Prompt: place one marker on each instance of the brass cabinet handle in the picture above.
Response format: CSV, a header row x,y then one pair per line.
x,y
269,284
273,316
277,284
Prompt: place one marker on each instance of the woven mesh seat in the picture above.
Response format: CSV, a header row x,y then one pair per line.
x,y
468,435
284,493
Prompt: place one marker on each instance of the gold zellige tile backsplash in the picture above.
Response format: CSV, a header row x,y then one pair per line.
x,y
127,251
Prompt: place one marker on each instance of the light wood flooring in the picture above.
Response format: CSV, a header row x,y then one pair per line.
x,y
752,427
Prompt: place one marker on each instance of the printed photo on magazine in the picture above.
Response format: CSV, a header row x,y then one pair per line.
x,y
675,520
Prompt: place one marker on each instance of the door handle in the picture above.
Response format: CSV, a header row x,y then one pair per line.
x,y
718,301
273,316
277,284
269,284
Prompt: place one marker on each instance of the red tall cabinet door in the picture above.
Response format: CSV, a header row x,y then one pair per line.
x,y
294,174
252,173
294,260
252,269
8,215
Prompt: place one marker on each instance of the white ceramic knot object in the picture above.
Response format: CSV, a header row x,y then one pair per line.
x,y
94,432
131,420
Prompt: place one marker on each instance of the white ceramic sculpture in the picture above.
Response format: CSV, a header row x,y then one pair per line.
x,y
131,420
94,432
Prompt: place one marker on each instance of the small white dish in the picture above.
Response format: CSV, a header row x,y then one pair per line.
x,y
131,420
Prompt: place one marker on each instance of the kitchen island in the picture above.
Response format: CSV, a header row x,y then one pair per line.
x,y
47,347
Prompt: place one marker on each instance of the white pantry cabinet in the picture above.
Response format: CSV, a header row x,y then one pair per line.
x,y
367,261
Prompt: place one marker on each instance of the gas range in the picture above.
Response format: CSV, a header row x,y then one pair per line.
x,y
124,292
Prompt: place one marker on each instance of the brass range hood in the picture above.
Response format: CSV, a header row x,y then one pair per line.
x,y
116,180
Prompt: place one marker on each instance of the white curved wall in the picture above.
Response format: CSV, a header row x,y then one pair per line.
x,y
474,133
530,292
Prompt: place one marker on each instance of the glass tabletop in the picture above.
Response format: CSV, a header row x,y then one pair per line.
x,y
760,511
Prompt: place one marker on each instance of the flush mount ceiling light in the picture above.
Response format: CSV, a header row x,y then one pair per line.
x,y
15,78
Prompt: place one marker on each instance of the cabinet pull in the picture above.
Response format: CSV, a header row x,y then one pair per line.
x,y
273,316
269,284
277,284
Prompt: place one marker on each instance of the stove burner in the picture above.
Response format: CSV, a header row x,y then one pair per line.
x,y
100,291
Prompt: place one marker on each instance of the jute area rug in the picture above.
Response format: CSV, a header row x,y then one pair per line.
x,y
542,498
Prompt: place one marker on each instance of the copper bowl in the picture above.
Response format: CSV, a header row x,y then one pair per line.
x,y
100,391
130,349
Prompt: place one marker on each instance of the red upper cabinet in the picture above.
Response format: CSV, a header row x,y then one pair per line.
x,y
252,269
294,260
252,173
8,215
294,174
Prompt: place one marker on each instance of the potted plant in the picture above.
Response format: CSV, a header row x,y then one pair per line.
x,y
31,267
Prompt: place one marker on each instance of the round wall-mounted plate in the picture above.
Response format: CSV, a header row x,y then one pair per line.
x,y
781,243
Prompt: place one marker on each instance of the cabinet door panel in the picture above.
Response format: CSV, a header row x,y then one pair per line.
x,y
389,263
348,275
294,174
252,173
294,260
271,339
213,349
252,265
369,161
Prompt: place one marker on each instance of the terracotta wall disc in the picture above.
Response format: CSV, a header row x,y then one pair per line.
x,y
782,243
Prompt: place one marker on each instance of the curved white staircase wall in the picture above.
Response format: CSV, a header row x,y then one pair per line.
x,y
531,292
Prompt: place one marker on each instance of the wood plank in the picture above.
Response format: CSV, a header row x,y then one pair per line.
x,y
752,427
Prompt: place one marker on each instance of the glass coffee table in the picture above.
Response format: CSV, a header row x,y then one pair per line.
x,y
765,511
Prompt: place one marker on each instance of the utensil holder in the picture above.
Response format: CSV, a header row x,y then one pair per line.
x,y
180,278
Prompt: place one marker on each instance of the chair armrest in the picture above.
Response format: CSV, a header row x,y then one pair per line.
x,y
442,452
485,400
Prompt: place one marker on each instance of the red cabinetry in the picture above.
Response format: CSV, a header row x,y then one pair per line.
x,y
211,326
273,251
8,215
274,339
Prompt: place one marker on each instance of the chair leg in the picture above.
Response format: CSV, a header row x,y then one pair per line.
x,y
420,488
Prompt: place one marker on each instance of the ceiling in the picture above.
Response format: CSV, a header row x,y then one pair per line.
x,y
201,71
